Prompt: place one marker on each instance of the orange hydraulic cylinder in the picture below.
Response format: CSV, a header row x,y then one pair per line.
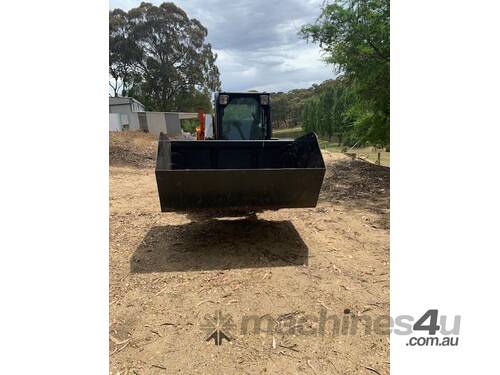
x,y
200,130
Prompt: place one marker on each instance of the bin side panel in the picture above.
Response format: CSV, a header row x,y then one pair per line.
x,y
248,189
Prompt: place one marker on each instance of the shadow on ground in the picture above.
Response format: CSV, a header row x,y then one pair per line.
x,y
219,244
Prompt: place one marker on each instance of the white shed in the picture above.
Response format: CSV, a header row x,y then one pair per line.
x,y
129,110
167,122
115,123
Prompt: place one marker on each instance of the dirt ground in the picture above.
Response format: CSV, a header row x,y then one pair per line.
x,y
290,268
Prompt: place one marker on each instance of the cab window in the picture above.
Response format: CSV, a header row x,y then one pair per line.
x,y
242,119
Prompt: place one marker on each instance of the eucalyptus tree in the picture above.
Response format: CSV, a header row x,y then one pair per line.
x,y
160,55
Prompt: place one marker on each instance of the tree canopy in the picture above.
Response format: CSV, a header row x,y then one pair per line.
x,y
328,114
159,55
355,36
287,107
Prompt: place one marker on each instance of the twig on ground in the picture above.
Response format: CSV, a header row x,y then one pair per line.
x,y
322,304
161,291
291,347
116,341
156,332
168,324
119,349
160,367
310,365
371,369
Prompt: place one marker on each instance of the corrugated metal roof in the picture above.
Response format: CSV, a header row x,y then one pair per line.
x,y
121,100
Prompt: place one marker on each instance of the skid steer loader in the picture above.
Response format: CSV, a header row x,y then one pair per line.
x,y
237,165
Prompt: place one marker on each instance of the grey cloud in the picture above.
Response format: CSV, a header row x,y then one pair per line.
x,y
249,25
257,41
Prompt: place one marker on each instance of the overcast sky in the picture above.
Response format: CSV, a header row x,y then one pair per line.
x,y
256,41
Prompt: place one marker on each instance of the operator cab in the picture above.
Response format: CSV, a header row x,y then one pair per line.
x,y
242,116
